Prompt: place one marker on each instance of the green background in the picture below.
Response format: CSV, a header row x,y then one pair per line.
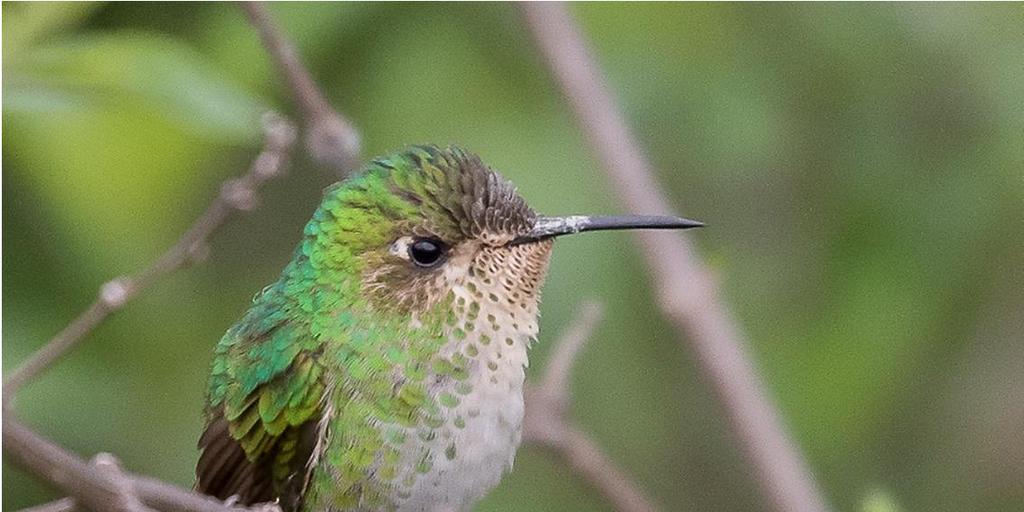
x,y
861,169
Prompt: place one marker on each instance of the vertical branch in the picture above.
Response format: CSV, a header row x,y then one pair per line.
x,y
330,138
686,291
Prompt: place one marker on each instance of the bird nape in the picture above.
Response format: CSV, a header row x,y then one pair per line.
x,y
384,369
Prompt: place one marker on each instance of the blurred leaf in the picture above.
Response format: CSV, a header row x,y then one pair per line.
x,y
27,22
169,78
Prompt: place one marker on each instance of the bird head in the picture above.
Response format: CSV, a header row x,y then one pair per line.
x,y
428,224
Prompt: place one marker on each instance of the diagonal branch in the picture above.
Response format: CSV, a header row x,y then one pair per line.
x,y
330,138
102,486
686,289
547,423
95,488
61,505
238,194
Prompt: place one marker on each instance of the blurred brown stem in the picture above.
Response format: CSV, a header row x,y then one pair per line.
x,y
547,423
235,195
686,290
61,505
329,137
102,486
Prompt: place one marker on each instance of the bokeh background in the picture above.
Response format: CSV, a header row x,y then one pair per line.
x,y
861,169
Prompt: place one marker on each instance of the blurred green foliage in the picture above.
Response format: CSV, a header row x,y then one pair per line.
x,y
861,169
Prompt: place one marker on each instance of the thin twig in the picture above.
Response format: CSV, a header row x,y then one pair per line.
x,y
235,195
61,505
330,138
127,500
102,486
333,140
568,346
547,423
686,290
548,400
96,490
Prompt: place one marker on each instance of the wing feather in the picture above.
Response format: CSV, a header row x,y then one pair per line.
x,y
261,435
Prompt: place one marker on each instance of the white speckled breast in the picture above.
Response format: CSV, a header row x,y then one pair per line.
x,y
496,304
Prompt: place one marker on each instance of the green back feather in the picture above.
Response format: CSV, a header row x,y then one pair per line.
x,y
320,341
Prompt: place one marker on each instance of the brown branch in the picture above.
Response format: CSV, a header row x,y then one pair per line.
x,y
547,423
235,195
98,486
330,138
686,290
61,505
102,486
95,488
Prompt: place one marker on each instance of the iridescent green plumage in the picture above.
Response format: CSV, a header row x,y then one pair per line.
x,y
384,369
332,336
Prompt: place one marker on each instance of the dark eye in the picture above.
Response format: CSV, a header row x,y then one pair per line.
x,y
427,252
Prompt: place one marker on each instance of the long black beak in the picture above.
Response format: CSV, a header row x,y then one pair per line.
x,y
548,227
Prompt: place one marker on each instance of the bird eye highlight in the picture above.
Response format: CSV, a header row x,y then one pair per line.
x,y
427,252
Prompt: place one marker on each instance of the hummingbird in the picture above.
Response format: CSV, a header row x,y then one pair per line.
x,y
384,369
